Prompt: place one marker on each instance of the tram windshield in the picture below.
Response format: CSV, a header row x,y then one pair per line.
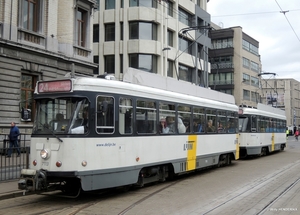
x,y
61,116
247,123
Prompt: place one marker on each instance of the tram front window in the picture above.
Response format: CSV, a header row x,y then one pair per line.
x,y
61,116
243,121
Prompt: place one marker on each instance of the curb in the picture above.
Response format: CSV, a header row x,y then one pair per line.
x,y
11,195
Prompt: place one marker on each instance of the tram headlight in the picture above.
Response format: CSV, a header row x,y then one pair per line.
x,y
45,154
83,163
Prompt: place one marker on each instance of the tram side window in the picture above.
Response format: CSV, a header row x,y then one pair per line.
x,y
282,125
270,125
125,116
211,121
184,119
146,116
232,122
105,115
277,126
198,120
263,121
167,118
222,121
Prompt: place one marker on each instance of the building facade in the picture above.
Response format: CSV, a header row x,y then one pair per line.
x,y
40,40
235,65
283,94
168,38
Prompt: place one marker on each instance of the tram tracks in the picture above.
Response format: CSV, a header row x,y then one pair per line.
x,y
247,191
267,190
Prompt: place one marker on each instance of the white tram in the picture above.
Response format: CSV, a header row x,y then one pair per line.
x,y
92,133
262,130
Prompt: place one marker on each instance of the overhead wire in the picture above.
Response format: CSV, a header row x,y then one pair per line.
x,y
284,12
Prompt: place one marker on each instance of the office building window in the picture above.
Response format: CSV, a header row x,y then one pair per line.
x,y
97,5
142,30
110,4
121,63
170,38
184,17
96,34
121,31
222,43
109,61
254,81
170,8
246,78
246,95
110,32
254,96
145,62
224,62
250,47
185,45
254,66
170,68
96,60
143,3
185,73
246,63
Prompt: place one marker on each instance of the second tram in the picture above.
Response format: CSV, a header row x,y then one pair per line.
x,y
262,130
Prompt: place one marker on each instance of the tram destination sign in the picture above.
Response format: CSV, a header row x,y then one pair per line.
x,y
54,86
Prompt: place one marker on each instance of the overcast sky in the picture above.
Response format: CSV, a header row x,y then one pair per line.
x,y
278,34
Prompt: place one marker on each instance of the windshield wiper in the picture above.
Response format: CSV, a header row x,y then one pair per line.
x,y
60,140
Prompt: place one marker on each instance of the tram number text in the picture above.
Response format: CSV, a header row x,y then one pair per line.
x,y
105,144
45,163
187,146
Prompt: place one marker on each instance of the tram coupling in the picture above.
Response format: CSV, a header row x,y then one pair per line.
x,y
32,180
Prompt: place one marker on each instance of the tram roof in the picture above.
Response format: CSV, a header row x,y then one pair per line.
x,y
265,110
162,89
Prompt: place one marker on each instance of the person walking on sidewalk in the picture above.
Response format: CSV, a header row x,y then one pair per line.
x,y
296,134
13,139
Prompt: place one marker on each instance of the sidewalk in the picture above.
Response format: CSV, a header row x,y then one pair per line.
x,y
9,189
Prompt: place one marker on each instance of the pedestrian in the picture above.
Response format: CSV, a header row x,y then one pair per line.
x,y
13,139
287,133
296,134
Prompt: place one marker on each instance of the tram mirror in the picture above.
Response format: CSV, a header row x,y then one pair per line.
x,y
25,114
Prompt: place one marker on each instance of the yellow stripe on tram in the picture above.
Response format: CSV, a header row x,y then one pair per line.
x,y
237,147
273,142
191,148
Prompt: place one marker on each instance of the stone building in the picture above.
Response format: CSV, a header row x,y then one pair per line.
x,y
283,94
40,40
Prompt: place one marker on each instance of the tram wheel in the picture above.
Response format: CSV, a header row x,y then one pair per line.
x,y
228,159
263,152
71,188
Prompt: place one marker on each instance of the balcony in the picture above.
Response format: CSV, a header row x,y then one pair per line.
x,y
222,66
